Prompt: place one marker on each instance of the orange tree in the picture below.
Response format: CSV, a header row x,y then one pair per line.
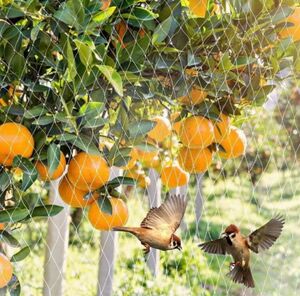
x,y
78,75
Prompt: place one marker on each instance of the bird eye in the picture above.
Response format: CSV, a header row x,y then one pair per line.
x,y
233,235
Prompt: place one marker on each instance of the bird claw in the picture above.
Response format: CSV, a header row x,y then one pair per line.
x,y
147,249
234,264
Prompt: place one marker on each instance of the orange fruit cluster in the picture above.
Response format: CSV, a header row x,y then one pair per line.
x,y
87,173
198,136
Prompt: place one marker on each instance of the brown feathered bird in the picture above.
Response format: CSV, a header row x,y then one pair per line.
x,y
158,228
232,242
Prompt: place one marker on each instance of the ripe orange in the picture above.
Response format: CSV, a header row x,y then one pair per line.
x,y
6,160
198,7
174,176
2,226
152,163
195,97
105,4
6,270
234,144
15,139
161,130
194,160
88,172
196,132
144,156
103,221
175,124
221,128
294,30
73,196
44,172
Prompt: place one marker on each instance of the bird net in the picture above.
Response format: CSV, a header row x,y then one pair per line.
x,y
107,108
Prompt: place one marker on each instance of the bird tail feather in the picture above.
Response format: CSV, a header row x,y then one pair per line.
x,y
242,275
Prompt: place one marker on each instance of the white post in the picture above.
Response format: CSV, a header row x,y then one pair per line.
x,y
183,191
199,200
108,249
154,196
56,246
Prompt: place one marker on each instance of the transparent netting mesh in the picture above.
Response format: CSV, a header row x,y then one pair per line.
x,y
109,108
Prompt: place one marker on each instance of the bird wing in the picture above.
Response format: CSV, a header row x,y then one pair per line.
x,y
219,246
167,217
264,237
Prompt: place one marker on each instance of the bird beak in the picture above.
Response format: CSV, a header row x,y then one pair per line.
x,y
179,248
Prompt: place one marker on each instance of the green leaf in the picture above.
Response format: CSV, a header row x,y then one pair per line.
x,y
13,215
113,78
119,156
118,181
65,16
147,147
53,158
30,173
36,111
102,16
139,13
85,143
14,12
46,211
18,65
4,181
85,53
140,128
225,62
162,30
9,239
71,62
66,137
281,14
35,31
105,205
14,286
14,110
22,254
43,120
91,114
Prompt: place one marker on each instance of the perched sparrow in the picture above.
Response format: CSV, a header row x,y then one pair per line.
x,y
158,228
232,242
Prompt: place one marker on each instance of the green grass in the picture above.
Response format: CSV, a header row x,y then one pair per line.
x,y
190,272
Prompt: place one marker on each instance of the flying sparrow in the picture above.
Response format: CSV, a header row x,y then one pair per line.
x,y
158,228
232,242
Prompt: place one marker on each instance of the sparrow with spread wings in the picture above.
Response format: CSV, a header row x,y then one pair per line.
x,y
232,242
158,228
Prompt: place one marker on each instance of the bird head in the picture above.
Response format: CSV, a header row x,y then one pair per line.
x,y
231,231
175,243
